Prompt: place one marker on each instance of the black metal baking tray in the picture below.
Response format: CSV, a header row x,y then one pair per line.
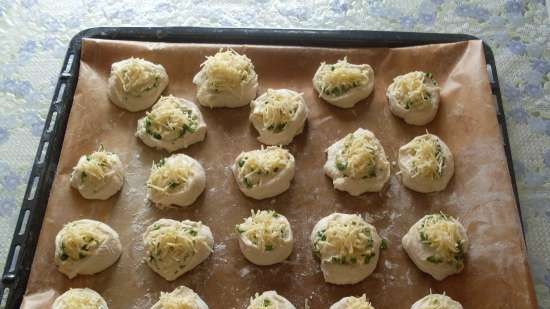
x,y
29,223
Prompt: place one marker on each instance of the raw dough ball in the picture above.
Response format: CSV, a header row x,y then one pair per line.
x,y
426,164
172,124
135,84
180,298
226,79
265,237
352,302
414,97
264,172
80,299
344,84
437,244
269,300
278,116
436,301
174,248
357,163
98,175
86,247
347,246
177,180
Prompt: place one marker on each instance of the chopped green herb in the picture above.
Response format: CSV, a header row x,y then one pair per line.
x,y
434,259
384,244
268,247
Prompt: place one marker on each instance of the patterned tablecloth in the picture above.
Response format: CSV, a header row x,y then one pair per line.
x,y
34,36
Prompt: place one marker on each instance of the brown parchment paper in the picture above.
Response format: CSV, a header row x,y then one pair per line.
x,y
480,194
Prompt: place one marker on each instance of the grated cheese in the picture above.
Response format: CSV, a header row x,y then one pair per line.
x,y
437,301
338,78
79,239
346,240
411,90
176,242
227,70
442,233
168,119
94,168
263,302
137,76
169,174
81,299
358,303
264,228
427,157
266,161
277,109
176,300
358,157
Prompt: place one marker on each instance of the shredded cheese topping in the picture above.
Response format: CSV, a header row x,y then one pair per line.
x,y
264,228
263,302
411,90
256,164
79,240
137,76
177,300
346,240
174,242
427,160
336,79
277,108
442,233
437,301
95,167
227,70
170,175
169,119
81,299
358,303
358,156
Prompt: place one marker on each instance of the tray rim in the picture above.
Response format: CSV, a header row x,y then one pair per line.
x,y
29,223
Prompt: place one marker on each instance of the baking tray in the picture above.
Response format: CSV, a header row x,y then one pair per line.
x,y
25,237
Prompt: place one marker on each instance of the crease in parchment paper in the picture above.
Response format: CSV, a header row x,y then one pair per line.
x,y
496,274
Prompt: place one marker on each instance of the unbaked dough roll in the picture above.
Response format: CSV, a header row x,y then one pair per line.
x,y
226,79
174,248
357,163
135,84
347,246
265,172
172,124
180,298
436,301
80,299
352,302
98,175
437,244
414,97
86,247
269,300
177,180
426,164
344,84
265,238
278,116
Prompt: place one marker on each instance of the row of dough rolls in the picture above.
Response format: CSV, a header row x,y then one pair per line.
x,y
185,298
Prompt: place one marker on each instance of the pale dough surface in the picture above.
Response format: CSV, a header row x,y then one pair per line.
x,y
173,266
184,194
358,186
294,127
278,301
88,296
174,140
141,100
99,259
436,301
183,292
103,189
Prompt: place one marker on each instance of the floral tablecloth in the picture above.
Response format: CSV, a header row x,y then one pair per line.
x,y
34,36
